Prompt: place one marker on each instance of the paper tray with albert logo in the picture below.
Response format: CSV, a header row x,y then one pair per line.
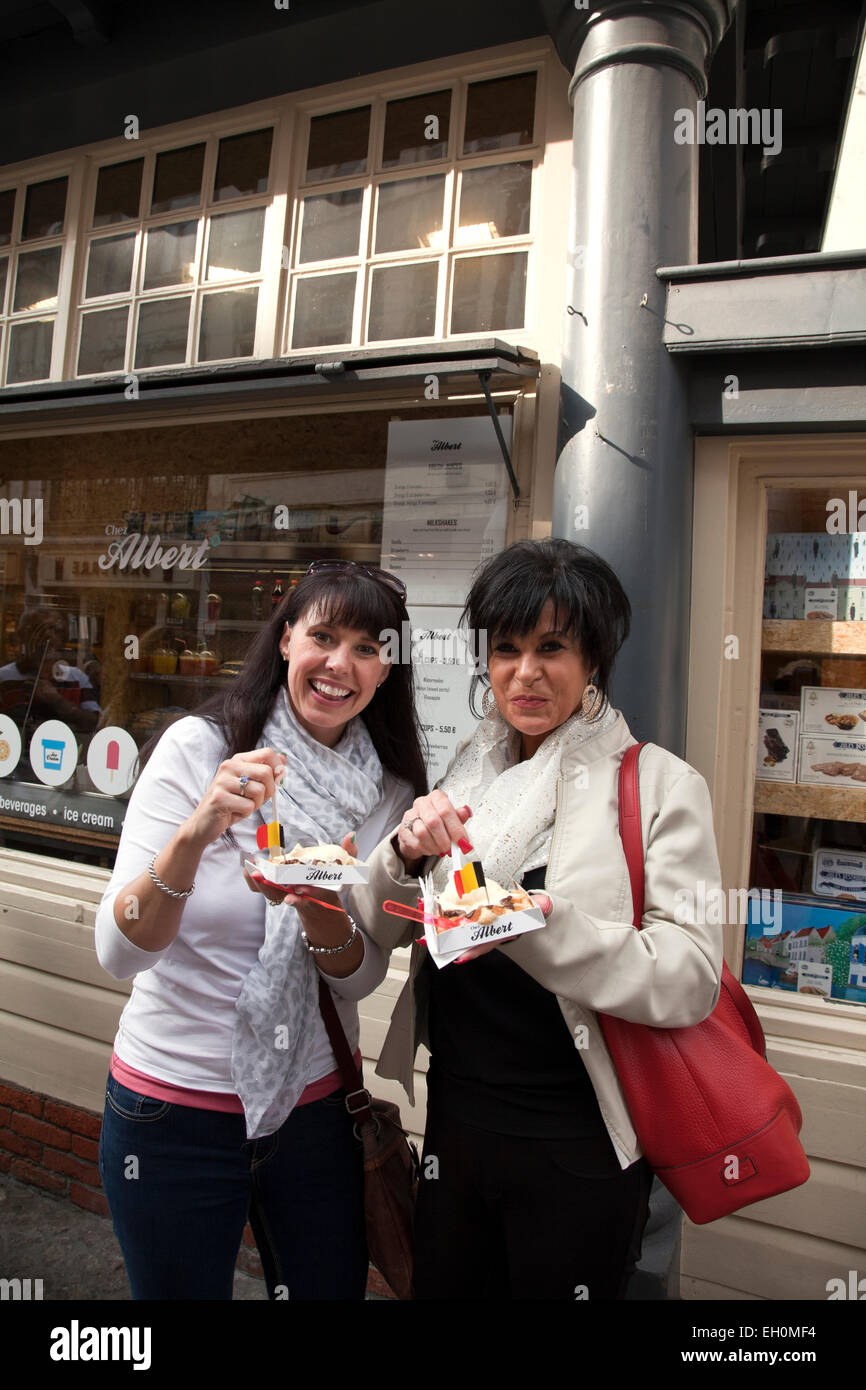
x,y
333,876
446,944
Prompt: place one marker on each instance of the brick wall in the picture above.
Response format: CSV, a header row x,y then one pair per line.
x,y
54,1147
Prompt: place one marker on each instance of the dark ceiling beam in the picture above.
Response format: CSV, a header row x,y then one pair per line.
x,y
89,20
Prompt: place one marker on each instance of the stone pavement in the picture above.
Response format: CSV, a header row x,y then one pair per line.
x,y
72,1251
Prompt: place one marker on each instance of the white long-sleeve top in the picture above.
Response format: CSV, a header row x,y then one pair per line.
x,y
178,1023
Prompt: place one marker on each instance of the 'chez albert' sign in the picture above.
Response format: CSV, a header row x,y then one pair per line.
x,y
138,551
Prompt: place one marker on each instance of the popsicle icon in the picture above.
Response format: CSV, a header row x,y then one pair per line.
x,y
112,757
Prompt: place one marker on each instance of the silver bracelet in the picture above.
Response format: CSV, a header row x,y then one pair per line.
x,y
331,950
172,892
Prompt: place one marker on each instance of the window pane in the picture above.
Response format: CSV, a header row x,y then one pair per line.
x,y
235,244
177,179
494,203
332,225
109,267
7,210
242,165
30,351
409,214
489,293
4,267
162,332
500,114
338,144
118,192
228,325
403,302
36,280
324,306
170,255
44,209
411,137
103,341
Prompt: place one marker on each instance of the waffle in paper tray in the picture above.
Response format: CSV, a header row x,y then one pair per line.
x,y
322,866
480,923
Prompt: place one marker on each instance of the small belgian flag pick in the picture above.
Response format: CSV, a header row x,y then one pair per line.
x,y
468,873
270,837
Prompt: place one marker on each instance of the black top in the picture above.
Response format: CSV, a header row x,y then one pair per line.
x,y
501,1055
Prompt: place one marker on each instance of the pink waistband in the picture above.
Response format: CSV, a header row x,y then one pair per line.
x,y
211,1100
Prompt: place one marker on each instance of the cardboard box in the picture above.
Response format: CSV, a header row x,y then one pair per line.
x,y
852,602
818,602
816,556
822,705
446,944
778,733
818,752
329,876
839,873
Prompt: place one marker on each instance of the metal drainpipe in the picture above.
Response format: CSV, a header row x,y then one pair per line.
x,y
625,443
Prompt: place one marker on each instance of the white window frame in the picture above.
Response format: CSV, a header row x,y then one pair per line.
x,y
289,116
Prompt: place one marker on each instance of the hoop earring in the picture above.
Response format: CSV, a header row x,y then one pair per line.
x,y
592,702
488,703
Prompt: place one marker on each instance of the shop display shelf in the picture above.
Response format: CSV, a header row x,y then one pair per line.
x,y
814,636
178,679
284,551
809,801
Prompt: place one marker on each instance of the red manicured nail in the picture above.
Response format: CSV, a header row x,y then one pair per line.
x,y
465,846
467,809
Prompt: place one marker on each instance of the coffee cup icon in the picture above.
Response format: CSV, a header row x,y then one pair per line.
x,y
52,754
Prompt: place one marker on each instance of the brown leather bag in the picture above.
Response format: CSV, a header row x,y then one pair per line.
x,y
390,1163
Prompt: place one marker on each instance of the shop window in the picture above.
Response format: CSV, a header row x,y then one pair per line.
x,y
807,914
103,341
489,293
494,203
228,325
166,252
118,192
163,328
416,129
331,225
30,346
30,276
403,302
324,309
409,215
44,209
242,166
480,198
235,244
177,179
338,144
500,113
7,212
170,255
109,266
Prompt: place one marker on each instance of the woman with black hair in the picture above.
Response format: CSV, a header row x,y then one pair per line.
x,y
538,1189
224,1101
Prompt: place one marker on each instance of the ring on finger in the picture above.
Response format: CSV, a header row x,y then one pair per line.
x,y
243,782
407,824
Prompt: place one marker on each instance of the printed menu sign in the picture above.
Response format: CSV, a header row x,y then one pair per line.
x,y
442,660
446,500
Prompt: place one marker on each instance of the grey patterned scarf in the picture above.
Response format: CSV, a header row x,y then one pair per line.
x,y
326,792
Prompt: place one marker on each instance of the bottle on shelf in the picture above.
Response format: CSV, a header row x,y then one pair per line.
x,y
276,596
257,604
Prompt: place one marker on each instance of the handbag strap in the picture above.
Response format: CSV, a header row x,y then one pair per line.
x,y
630,827
357,1096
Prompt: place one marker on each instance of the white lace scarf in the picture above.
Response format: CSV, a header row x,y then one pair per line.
x,y
326,792
513,803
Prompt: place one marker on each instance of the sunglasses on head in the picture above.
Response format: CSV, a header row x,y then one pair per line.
x,y
349,566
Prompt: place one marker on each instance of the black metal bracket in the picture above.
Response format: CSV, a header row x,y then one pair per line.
x,y
484,377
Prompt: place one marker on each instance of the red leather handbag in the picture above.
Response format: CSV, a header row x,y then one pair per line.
x,y
716,1123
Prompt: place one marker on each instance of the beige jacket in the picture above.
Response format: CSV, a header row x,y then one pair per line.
x,y
589,954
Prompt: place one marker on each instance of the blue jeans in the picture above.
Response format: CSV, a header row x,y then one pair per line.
x,y
181,1184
